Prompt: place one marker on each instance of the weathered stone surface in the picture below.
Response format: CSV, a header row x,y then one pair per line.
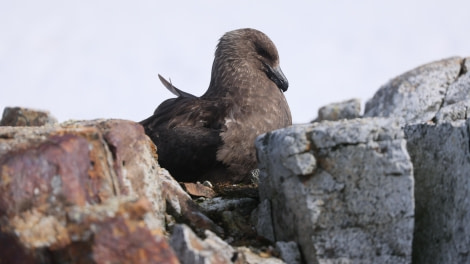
x,y
246,256
192,250
456,104
123,241
18,116
62,185
234,214
289,252
85,162
83,234
436,93
454,112
264,222
120,233
441,160
136,175
459,90
183,208
352,195
349,109
418,95
221,204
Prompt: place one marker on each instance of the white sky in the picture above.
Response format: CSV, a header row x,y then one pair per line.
x,y
92,59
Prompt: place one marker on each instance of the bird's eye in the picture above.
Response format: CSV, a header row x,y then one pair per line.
x,y
263,52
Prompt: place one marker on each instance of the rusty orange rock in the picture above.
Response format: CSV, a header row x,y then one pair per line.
x,y
79,193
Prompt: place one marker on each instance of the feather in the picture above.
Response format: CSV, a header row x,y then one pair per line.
x,y
212,137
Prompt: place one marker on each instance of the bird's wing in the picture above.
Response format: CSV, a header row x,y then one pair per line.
x,y
188,112
173,89
186,132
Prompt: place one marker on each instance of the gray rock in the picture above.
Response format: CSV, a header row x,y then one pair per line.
x,y
459,90
246,256
353,196
232,214
456,105
221,204
183,208
264,225
212,250
289,252
441,160
349,109
417,96
432,102
454,112
192,250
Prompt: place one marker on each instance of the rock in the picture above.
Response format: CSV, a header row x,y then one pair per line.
x,y
234,214
120,236
454,112
246,256
289,252
459,90
441,160
61,186
456,105
349,109
103,233
122,241
264,223
192,250
418,95
341,190
137,175
432,102
221,204
184,209
18,116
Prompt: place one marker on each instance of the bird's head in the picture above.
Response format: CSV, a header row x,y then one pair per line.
x,y
249,52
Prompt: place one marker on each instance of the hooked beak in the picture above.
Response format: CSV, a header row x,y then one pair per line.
x,y
277,76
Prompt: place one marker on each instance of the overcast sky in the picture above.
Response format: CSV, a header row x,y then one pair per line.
x,y
92,59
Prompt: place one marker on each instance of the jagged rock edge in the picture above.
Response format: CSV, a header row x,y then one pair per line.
x,y
463,70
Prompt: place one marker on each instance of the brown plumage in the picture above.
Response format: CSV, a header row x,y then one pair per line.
x,y
212,136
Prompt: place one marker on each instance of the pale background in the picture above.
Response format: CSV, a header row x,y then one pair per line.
x,y
92,59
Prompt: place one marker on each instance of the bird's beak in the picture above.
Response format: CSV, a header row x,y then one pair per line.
x,y
277,76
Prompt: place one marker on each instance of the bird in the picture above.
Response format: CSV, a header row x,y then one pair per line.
x,y
212,137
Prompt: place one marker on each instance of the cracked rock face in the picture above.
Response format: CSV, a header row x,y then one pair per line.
x,y
213,250
332,184
433,104
78,193
353,196
349,109
441,158
424,93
